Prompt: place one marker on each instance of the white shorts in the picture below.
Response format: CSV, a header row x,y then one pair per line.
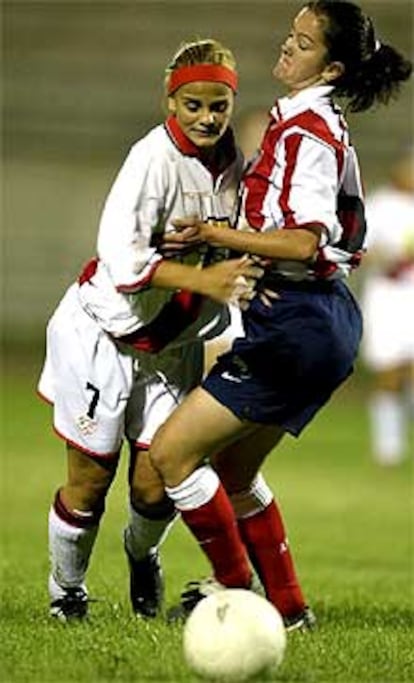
x,y
101,394
388,307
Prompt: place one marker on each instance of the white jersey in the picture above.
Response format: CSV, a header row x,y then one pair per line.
x,y
390,218
307,173
388,286
103,390
161,179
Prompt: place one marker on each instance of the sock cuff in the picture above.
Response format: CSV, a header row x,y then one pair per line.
x,y
196,490
252,500
76,518
163,510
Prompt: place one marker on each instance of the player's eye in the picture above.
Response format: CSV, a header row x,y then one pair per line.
x,y
192,105
219,107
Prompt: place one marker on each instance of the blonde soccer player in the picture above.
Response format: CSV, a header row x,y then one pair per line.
x,y
125,344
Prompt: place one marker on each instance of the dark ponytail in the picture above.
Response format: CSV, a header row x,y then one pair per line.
x,y
374,71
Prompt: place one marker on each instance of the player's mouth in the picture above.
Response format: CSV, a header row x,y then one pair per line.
x,y
206,132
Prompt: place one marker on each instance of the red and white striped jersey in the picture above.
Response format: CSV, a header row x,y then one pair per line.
x,y
161,179
307,173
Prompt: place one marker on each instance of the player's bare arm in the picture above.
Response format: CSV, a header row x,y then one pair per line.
x,y
294,243
222,281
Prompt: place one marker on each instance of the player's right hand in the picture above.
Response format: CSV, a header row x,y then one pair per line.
x,y
233,281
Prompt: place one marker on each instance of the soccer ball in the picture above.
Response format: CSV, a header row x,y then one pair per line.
x,y
232,635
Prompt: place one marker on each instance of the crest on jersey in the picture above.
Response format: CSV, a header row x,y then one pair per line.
x,y
86,424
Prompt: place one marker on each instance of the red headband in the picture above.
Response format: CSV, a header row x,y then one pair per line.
x,y
202,72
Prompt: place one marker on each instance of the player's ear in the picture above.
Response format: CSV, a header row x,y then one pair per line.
x,y
172,106
333,71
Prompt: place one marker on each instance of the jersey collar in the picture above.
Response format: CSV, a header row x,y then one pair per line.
x,y
285,107
179,138
225,148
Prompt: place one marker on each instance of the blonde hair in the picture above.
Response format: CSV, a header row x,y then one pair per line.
x,y
206,51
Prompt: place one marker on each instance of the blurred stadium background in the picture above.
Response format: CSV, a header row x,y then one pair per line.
x,y
83,80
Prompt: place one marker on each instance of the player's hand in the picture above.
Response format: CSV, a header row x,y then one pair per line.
x,y
191,229
233,281
185,238
267,296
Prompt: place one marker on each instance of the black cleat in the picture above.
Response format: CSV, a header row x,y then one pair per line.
x,y
304,621
196,591
191,596
72,606
146,586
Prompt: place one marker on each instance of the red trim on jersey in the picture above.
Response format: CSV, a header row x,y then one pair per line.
x,y
176,315
179,138
88,271
216,73
91,267
224,149
356,258
139,284
291,154
323,268
44,398
257,178
142,446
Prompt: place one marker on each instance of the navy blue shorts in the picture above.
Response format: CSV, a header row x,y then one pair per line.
x,y
294,355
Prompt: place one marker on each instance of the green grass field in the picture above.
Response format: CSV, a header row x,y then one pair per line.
x,y
351,529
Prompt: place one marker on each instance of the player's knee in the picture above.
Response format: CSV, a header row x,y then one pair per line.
x,y
160,453
88,493
88,480
145,493
84,496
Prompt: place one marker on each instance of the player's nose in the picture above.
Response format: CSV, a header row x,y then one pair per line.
x,y
208,117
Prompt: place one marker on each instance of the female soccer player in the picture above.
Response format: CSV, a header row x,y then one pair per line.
x,y
302,202
387,296
125,343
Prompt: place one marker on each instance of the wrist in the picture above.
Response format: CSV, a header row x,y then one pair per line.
x,y
213,229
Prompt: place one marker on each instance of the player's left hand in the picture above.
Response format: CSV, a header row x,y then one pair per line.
x,y
180,241
191,228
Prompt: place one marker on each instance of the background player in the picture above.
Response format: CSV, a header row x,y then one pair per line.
x,y
388,302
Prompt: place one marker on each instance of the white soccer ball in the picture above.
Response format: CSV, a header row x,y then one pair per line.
x,y
232,635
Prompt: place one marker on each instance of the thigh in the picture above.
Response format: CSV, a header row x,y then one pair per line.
x,y
160,385
199,427
88,479
222,343
238,463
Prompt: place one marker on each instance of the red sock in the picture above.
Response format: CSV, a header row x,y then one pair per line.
x,y
265,539
215,528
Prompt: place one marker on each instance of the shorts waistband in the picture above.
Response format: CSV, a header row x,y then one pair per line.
x,y
278,282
